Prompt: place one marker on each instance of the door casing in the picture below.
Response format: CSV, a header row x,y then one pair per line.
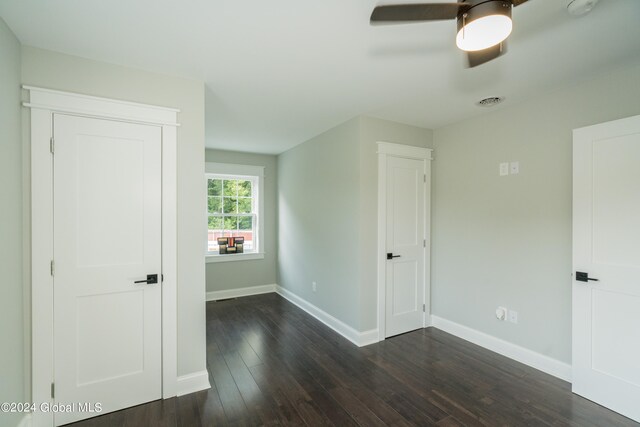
x,y
386,150
43,103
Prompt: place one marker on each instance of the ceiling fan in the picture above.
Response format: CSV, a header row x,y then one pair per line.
x,y
483,25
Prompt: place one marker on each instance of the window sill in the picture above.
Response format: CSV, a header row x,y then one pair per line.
x,y
234,257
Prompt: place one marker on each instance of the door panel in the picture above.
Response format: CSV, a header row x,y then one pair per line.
x,y
606,232
616,179
405,288
611,355
405,234
94,318
117,203
107,234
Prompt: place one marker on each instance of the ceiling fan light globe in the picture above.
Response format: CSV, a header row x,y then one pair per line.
x,y
484,32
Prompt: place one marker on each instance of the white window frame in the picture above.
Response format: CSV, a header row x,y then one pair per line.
x,y
235,171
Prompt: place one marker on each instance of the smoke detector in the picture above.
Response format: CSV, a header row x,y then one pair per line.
x,y
580,7
490,102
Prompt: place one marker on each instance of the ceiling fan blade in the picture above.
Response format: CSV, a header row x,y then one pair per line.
x,y
479,57
417,12
518,2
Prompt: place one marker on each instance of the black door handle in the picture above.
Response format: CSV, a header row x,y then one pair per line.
x,y
151,279
584,277
391,255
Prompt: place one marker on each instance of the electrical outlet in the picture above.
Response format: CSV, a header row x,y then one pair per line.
x,y
504,169
513,316
514,168
314,286
501,313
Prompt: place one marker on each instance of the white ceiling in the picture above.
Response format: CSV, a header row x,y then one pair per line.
x,y
282,71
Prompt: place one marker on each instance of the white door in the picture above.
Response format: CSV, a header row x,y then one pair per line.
x,y
606,247
107,235
405,245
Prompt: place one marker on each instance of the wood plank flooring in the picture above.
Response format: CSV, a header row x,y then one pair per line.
x,y
272,364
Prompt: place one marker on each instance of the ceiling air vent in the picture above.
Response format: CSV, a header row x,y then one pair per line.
x,y
491,101
580,7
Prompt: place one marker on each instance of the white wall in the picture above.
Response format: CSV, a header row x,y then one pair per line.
x,y
507,240
12,352
63,72
242,274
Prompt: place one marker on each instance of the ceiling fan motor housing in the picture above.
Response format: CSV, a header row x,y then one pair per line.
x,y
480,9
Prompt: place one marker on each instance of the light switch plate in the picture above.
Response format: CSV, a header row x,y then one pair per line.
x,y
504,169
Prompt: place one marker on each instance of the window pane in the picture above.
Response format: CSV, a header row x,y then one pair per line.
x,y
230,205
215,223
215,204
244,188
231,223
215,187
244,205
245,223
248,240
231,187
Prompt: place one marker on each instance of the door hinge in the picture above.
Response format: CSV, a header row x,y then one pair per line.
x,y
424,308
52,145
425,177
53,390
424,243
53,268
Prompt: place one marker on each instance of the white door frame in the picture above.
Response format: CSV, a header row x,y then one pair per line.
x,y
386,149
44,103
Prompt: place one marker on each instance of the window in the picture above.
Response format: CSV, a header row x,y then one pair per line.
x,y
234,210
231,208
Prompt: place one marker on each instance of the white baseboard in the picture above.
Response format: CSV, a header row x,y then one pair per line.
x,y
193,382
523,355
25,421
358,338
240,292
368,337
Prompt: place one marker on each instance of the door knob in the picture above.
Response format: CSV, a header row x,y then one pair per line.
x,y
151,279
391,255
584,277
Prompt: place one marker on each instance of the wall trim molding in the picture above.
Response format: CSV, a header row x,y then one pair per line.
x,y
94,106
191,383
368,337
403,150
520,354
240,292
360,339
25,421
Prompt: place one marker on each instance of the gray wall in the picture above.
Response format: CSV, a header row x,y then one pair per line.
x,y
63,72
241,274
327,216
318,224
12,354
507,240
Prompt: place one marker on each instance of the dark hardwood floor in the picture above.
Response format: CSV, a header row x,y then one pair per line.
x,y
272,364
